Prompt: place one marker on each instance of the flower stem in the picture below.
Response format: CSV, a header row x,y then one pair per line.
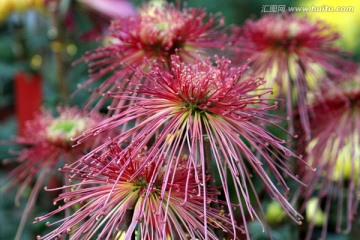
x,y
289,112
57,46
30,204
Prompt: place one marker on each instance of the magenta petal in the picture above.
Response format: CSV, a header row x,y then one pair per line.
x,y
111,8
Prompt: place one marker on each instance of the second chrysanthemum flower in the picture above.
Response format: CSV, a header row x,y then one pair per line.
x,y
113,207
294,55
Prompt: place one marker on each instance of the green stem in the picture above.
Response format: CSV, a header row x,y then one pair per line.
x,y
56,46
31,202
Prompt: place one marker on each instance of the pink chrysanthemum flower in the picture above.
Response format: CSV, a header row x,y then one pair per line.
x,y
203,109
47,140
157,32
294,55
335,152
110,207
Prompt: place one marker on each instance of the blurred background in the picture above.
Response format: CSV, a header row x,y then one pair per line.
x,y
40,40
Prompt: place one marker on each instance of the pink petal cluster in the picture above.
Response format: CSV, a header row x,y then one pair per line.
x,y
46,142
334,152
200,109
112,9
156,32
295,56
112,205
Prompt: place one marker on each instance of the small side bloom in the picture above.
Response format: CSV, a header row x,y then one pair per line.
x,y
47,140
294,55
111,206
334,152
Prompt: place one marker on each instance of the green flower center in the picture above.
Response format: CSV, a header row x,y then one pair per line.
x,y
62,130
141,183
162,26
65,127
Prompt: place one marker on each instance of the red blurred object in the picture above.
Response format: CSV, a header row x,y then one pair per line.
x,y
28,97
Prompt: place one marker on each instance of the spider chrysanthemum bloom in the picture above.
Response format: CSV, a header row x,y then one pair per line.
x,y
157,32
334,152
47,140
294,55
110,207
211,112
